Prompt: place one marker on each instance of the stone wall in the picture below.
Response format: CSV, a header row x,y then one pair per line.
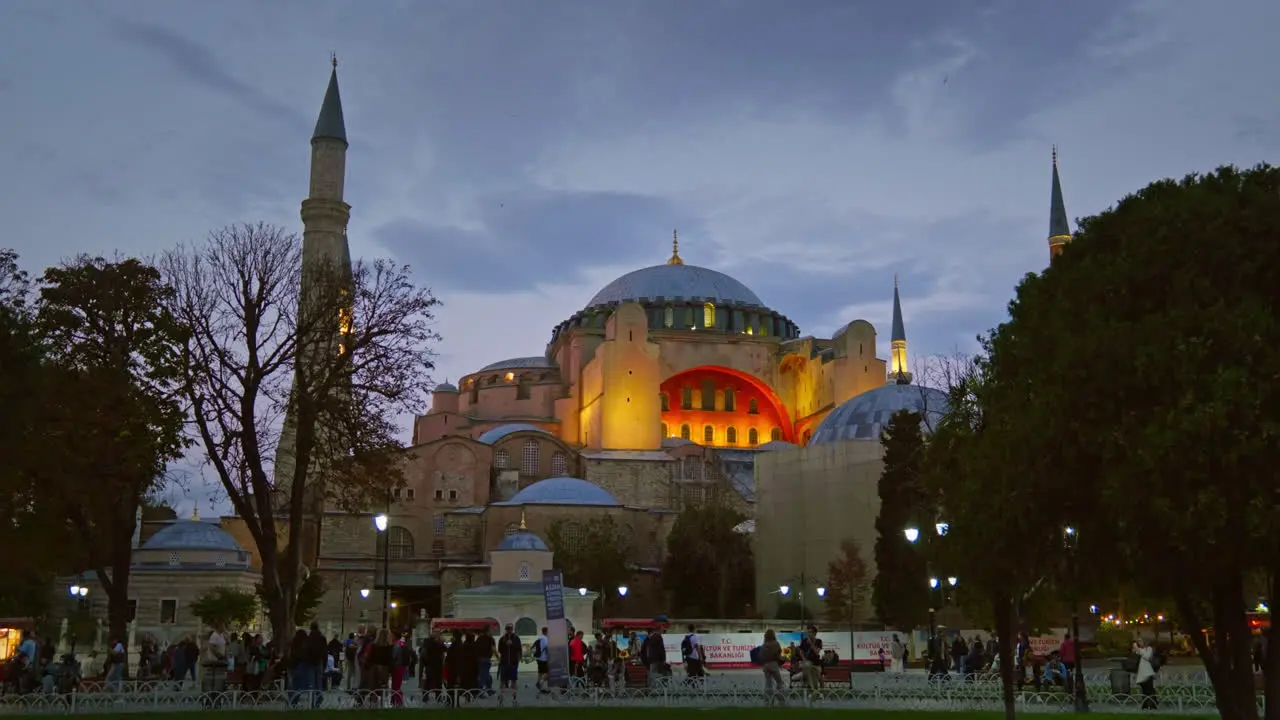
x,y
643,483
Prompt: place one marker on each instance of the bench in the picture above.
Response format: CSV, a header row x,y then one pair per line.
x,y
837,675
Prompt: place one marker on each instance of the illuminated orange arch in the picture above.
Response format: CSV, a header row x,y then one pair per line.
x,y
766,392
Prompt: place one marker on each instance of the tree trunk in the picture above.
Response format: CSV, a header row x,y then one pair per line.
x,y
1271,660
1002,609
1228,661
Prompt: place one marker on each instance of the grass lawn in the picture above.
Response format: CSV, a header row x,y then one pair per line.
x,y
643,713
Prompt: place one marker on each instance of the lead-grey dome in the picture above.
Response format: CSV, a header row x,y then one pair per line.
x,y
522,540
688,282
865,415
192,535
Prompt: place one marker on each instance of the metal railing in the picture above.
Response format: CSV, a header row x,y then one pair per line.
x,y
745,690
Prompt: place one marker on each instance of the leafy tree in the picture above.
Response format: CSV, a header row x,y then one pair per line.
x,y
311,593
297,373
709,570
1136,382
595,554
112,408
847,585
898,592
226,607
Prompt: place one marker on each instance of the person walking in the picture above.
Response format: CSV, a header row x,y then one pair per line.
x,y
509,652
770,664
1146,677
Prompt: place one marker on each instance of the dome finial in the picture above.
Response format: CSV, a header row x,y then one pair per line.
x,y
523,526
195,512
675,249
333,60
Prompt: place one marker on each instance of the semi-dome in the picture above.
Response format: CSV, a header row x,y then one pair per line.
x,y
675,282
493,435
865,415
536,361
192,535
562,491
523,540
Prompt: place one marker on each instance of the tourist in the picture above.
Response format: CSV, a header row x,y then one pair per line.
x,y
898,653
213,661
691,654
1067,650
455,662
433,650
542,654
577,656
485,650
1146,676
509,651
811,658
653,653
378,664
399,668
770,657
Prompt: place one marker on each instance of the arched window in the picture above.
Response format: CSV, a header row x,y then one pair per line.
x,y
529,463
753,437
709,394
685,433
729,400
401,543
775,434
708,434
753,406
709,315
664,429
668,317
686,398
666,401
502,460
524,571
526,627
571,538
559,465
731,436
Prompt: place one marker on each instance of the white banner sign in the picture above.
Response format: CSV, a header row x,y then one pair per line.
x,y
733,650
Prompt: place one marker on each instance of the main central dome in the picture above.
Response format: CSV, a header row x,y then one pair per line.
x,y
675,282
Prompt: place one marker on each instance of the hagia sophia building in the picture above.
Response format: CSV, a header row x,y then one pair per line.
x,y
674,385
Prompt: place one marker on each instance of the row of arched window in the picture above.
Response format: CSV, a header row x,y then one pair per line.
x,y
730,434
530,460
707,399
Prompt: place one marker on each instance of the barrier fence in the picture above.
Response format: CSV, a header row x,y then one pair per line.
x,y
746,690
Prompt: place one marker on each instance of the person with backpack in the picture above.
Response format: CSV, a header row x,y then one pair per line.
x,y
399,668
542,654
692,656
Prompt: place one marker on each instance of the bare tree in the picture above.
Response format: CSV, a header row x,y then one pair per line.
x,y
296,372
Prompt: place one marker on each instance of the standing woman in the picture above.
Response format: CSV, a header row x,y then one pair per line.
x,y
379,663
770,660
1146,674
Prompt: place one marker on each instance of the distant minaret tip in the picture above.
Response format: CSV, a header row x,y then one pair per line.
x,y
675,249
523,526
333,60
195,513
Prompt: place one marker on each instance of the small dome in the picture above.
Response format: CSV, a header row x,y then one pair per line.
x,y
493,435
446,387
563,491
687,282
523,540
865,415
192,535
537,361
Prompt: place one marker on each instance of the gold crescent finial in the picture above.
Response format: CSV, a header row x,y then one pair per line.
x,y
523,526
195,512
333,59
675,249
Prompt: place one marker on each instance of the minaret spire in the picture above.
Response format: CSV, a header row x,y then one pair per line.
x,y
1059,227
330,125
675,249
898,372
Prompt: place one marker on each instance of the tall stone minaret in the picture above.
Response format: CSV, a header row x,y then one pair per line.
x,y
324,242
1059,227
898,373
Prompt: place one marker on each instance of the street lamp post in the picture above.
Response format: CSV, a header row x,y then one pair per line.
x,y
383,522
78,592
1079,696
785,590
912,534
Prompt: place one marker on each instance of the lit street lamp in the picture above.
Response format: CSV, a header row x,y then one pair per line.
x,y
582,591
382,522
912,534
822,592
1071,540
364,593
622,590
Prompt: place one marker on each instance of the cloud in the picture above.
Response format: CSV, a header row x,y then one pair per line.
x,y
522,239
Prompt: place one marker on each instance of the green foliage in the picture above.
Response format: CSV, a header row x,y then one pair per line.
x,y
898,593
1135,394
595,554
846,586
710,568
1113,640
226,607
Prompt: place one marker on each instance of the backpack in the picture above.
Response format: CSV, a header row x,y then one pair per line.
x,y
686,647
1156,660
755,656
